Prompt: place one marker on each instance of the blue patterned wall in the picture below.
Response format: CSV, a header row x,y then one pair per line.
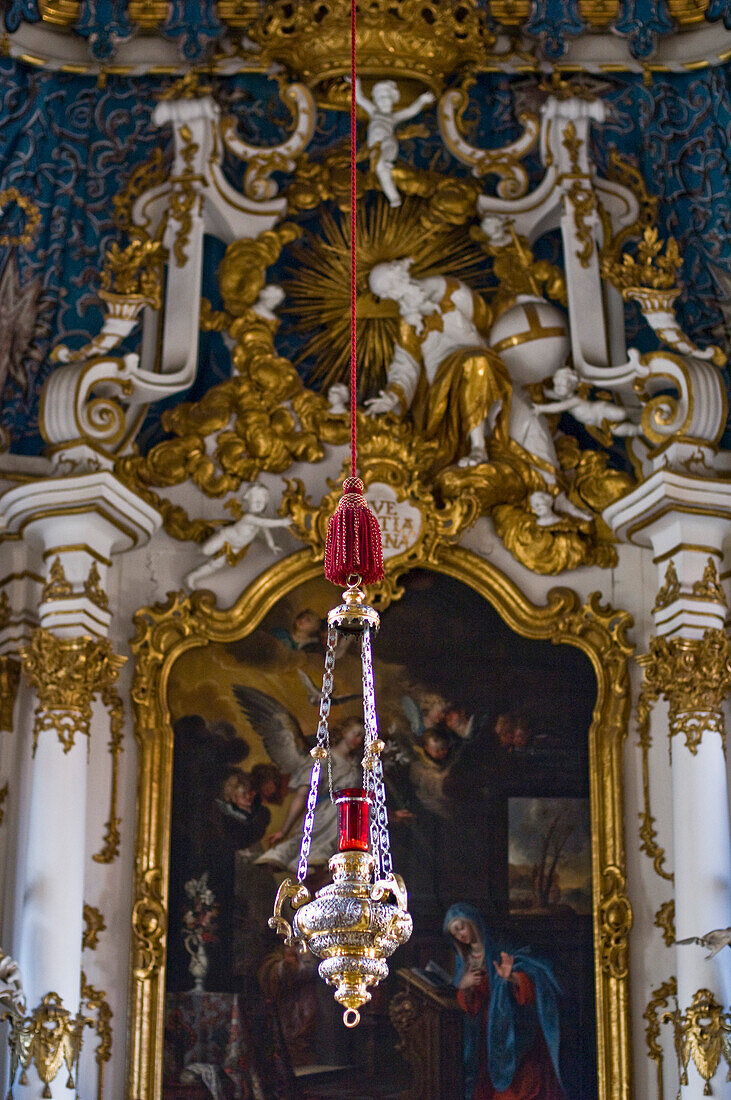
x,y
70,147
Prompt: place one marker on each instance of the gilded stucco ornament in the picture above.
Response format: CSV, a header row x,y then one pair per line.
x,y
57,587
48,1038
701,1033
665,921
709,587
112,700
94,924
93,588
131,279
669,591
694,675
394,38
96,1000
648,833
67,673
660,998
581,200
651,281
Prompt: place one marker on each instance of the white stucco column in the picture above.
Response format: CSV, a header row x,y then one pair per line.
x,y
74,524
685,519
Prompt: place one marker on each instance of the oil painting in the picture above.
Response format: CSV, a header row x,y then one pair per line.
x,y
549,851
486,767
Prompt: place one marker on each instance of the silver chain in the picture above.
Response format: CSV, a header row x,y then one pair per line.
x,y
380,843
322,742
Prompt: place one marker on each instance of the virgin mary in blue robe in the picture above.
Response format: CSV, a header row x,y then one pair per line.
x,y
511,1027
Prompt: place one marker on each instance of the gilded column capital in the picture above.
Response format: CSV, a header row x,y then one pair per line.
x,y
67,673
693,674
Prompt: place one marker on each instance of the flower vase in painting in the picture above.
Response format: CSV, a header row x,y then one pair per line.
x,y
199,928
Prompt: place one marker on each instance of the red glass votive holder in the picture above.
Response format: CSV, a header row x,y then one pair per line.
x,y
352,804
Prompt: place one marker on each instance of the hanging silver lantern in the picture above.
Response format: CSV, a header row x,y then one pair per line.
x,y
359,919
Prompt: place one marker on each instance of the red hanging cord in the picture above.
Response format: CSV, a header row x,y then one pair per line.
x,y
353,543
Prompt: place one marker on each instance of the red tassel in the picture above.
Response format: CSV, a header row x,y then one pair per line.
x,y
353,543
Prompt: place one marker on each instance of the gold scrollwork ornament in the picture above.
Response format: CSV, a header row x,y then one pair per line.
x,y
94,924
615,914
660,999
96,999
149,921
665,921
648,833
709,587
113,702
57,587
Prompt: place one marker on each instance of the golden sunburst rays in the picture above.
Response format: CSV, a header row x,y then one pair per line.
x,y
318,285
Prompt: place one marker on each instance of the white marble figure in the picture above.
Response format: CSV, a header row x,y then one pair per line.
x,y
545,507
437,344
595,414
381,135
235,537
338,399
270,297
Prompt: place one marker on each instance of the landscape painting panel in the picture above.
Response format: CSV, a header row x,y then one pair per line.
x,y
550,855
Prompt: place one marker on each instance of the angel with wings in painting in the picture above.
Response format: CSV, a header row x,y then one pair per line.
x,y
283,740
438,732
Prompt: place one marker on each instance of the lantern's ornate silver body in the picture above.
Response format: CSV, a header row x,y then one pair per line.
x,y
352,924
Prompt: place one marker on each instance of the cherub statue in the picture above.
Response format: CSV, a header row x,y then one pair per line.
x,y
227,545
602,414
546,508
380,136
338,399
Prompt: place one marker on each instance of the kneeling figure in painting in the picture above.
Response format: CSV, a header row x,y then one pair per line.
x,y
511,1034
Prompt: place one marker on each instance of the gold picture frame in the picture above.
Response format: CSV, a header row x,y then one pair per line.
x,y
167,630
